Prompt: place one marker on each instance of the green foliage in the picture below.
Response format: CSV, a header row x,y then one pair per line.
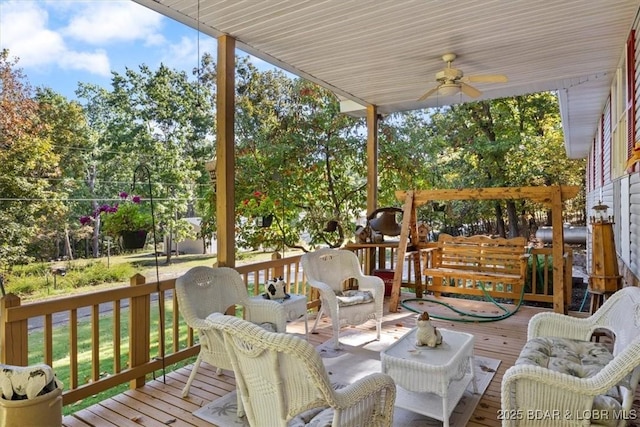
x,y
38,278
504,142
98,273
129,216
28,161
292,145
299,150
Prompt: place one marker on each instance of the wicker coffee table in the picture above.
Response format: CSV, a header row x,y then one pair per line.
x,y
431,381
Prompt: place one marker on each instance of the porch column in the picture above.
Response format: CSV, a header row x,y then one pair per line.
x,y
225,151
372,158
560,304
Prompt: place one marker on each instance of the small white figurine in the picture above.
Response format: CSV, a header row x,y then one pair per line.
x,y
427,334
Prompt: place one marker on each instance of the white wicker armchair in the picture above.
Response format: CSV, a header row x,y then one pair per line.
x,y
205,290
326,270
584,384
283,382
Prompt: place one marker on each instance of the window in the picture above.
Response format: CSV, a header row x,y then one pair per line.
x,y
623,110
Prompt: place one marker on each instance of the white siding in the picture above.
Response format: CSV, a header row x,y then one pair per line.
x,y
622,218
634,224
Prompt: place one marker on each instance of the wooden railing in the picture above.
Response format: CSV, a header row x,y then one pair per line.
x,y
127,355
134,337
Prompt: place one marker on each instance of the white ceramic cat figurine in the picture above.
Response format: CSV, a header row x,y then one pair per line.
x,y
427,334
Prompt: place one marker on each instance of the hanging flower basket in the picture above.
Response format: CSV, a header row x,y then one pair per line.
x,y
264,221
134,239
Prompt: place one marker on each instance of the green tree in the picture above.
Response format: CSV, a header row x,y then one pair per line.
x,y
504,142
299,151
29,161
68,132
159,120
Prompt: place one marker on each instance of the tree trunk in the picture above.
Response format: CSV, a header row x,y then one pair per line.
x,y
514,230
167,249
67,244
500,228
95,238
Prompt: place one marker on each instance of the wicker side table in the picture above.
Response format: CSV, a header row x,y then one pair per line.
x,y
295,307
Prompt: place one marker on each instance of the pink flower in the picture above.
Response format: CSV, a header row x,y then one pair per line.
x,y
136,199
123,194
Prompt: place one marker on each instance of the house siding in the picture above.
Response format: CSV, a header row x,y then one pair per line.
x,y
605,144
634,223
630,226
621,194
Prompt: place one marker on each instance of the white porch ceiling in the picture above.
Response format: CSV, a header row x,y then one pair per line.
x,y
386,52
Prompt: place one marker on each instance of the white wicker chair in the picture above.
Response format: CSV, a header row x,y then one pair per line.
x,y
571,399
283,382
205,290
326,270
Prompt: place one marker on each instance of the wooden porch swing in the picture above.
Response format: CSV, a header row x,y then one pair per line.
x,y
552,197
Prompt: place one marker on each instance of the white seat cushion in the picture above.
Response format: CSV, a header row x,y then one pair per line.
x,y
353,297
317,417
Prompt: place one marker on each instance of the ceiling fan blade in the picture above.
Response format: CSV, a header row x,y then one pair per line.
x,y
469,90
486,78
429,93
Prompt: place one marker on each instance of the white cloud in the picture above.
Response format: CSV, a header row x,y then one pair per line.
x,y
184,54
101,23
24,30
24,33
94,62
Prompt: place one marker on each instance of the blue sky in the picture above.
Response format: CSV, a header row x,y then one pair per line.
x,y
62,42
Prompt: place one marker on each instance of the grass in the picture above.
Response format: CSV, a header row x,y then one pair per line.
x,y
34,282
61,354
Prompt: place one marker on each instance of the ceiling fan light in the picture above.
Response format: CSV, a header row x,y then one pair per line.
x,y
448,89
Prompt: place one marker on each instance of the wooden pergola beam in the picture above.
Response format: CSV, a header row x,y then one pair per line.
x,y
537,194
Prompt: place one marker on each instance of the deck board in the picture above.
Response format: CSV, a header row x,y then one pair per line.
x,y
160,402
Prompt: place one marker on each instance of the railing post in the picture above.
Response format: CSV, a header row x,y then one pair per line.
x,y
568,277
14,349
139,330
277,271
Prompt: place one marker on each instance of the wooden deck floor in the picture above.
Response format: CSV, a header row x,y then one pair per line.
x,y
160,403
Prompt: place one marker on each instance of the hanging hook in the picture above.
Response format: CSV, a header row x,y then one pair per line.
x,y
145,168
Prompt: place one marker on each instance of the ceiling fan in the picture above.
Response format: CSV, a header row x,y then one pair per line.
x,y
451,80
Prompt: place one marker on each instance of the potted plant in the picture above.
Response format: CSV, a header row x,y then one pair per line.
x,y
128,220
261,207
